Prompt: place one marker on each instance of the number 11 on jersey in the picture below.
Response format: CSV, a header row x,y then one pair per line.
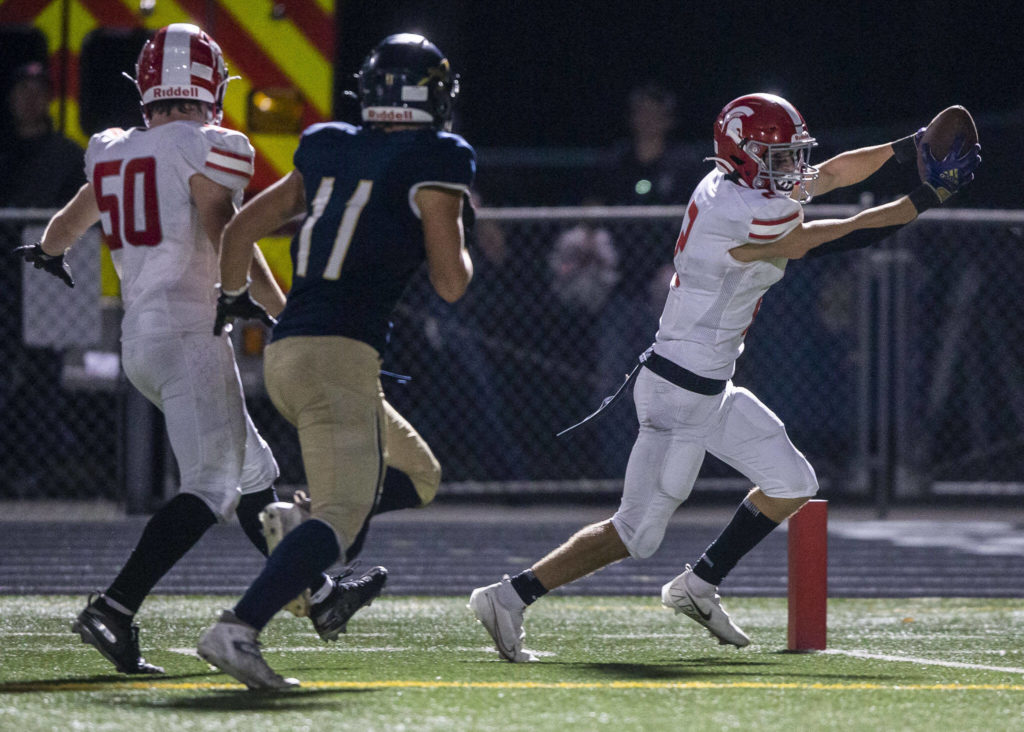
x,y
353,208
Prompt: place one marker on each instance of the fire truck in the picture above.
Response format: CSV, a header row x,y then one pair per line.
x,y
281,53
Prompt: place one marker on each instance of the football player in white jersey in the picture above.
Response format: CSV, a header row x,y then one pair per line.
x,y
163,193
742,224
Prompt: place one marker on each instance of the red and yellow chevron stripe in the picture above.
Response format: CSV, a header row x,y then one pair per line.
x,y
294,50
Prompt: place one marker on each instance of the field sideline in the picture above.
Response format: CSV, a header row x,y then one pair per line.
x,y
422,663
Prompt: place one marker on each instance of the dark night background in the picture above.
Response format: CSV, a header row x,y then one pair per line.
x,y
556,74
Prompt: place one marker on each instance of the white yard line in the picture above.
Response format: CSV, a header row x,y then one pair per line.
x,y
922,661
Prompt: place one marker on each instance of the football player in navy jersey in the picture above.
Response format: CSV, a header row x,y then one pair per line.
x,y
379,200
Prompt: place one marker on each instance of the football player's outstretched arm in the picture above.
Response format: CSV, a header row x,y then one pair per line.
x,y
68,224
62,231
448,261
851,167
263,215
944,178
811,234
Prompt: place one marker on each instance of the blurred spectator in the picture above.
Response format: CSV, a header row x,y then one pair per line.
x,y
584,268
41,169
647,168
581,314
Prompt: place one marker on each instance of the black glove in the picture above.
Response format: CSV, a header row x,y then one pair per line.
x,y
55,265
241,306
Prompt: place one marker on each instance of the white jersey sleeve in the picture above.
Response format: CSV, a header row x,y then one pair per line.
x,y
226,158
97,143
775,218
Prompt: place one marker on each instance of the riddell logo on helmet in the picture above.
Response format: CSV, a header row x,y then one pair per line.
x,y
176,92
390,115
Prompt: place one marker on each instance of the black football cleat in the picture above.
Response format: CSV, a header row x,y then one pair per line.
x,y
114,635
331,616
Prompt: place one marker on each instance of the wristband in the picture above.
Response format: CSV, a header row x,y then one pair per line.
x,y
240,291
923,198
43,255
904,149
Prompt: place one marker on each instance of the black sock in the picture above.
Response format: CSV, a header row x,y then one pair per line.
x,y
296,563
528,587
746,530
248,513
172,531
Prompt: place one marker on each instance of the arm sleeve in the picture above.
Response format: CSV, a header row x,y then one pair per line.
x,y
854,240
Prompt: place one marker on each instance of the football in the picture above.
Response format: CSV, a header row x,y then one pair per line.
x,y
941,131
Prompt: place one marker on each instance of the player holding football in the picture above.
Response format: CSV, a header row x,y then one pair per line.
x,y
742,223
378,200
163,194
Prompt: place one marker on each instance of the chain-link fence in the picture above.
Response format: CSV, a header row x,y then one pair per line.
x,y
898,369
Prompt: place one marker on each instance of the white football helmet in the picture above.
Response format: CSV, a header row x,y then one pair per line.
x,y
182,62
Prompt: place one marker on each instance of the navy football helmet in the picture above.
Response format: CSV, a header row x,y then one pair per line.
x,y
406,79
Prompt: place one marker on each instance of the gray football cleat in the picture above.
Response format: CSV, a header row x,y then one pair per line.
x,y
231,645
705,609
500,610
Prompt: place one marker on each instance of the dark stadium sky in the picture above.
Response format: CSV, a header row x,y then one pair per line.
x,y
555,73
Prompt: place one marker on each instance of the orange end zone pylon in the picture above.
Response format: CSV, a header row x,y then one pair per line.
x,y
808,577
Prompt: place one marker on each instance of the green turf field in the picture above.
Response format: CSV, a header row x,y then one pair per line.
x,y
606,663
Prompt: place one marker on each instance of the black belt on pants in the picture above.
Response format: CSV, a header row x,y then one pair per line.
x,y
683,378
668,370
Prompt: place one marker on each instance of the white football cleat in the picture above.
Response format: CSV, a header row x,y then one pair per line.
x,y
679,594
500,610
278,519
231,645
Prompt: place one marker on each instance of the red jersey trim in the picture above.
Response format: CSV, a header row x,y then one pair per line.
x,y
228,153
774,222
224,169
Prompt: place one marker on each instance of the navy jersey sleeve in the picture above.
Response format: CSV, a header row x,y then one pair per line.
x,y
449,162
314,137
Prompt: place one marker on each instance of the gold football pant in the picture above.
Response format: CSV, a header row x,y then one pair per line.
x,y
329,388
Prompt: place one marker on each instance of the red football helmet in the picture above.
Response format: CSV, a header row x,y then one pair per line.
x,y
182,62
763,139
